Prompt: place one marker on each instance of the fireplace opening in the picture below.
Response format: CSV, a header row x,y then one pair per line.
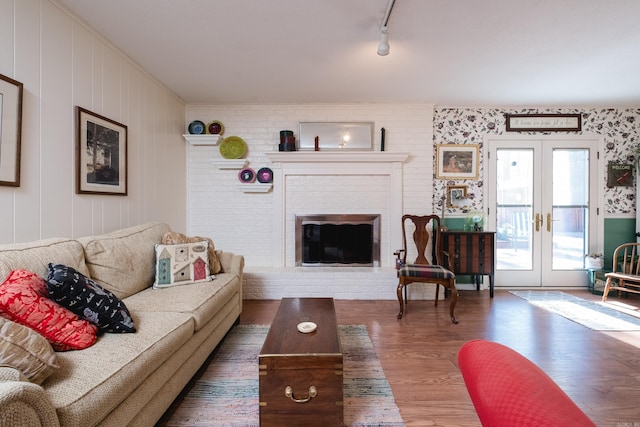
x,y
338,240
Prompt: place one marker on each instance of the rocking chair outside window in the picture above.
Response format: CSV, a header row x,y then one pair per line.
x,y
421,270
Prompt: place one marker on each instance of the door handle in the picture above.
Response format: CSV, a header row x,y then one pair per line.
x,y
538,221
549,221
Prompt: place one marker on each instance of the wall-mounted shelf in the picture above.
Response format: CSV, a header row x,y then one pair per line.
x,y
229,163
254,187
202,139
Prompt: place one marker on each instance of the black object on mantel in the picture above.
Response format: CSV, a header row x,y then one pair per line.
x,y
287,141
382,132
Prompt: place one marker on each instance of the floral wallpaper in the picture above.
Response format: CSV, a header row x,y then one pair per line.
x,y
619,128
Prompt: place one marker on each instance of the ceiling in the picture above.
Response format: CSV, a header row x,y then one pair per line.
x,y
467,53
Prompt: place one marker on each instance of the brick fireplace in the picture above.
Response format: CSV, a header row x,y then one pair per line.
x,y
312,183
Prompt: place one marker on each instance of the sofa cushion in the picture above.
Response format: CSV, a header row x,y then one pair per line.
x,y
88,300
123,261
26,350
36,256
200,300
181,264
116,365
172,238
24,299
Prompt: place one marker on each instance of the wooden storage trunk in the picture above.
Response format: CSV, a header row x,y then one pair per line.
x,y
301,381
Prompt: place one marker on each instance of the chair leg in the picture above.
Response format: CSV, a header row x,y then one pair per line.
x,y
400,300
437,293
605,293
454,301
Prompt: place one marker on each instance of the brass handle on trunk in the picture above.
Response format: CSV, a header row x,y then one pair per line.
x,y
288,391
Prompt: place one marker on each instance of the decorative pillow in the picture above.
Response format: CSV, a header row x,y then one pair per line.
x,y
181,264
87,299
24,299
172,238
27,351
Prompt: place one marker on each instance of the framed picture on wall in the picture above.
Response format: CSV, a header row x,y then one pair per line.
x,y
101,155
457,161
10,131
456,196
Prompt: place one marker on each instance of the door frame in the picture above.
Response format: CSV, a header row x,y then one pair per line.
x,y
595,245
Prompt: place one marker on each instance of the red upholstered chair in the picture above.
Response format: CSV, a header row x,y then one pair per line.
x,y
508,390
438,273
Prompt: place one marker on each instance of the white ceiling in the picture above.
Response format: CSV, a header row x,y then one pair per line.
x,y
552,53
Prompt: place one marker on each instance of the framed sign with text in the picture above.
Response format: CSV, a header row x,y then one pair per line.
x,y
619,175
543,122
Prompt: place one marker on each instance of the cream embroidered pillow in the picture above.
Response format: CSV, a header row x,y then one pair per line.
x,y
181,264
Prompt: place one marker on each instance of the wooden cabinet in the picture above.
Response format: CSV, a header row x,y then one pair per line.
x,y
471,252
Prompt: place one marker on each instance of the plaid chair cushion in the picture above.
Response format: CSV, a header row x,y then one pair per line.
x,y
429,271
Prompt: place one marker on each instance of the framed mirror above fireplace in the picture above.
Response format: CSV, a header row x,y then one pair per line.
x,y
343,136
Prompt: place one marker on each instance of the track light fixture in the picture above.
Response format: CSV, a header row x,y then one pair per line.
x,y
383,46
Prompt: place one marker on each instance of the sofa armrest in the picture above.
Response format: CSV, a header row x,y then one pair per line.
x,y
23,403
231,263
234,264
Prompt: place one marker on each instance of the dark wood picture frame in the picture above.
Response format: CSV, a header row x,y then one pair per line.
x,y
101,155
10,130
543,122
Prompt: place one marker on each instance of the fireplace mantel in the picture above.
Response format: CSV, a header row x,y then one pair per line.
x,y
336,157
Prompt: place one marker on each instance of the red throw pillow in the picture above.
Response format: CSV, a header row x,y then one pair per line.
x,y
23,299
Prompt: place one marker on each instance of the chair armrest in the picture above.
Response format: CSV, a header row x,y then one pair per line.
x,y
401,258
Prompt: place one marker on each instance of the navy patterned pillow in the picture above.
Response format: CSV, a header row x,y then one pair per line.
x,y
88,300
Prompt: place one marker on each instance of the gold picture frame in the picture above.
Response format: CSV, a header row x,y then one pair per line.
x,y
457,161
456,195
101,155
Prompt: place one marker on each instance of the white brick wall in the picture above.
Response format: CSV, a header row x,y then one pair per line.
x,y
243,222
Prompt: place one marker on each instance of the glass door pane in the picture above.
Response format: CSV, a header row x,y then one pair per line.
x,y
514,209
568,222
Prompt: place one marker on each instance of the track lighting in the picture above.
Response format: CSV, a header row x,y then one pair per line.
x,y
383,46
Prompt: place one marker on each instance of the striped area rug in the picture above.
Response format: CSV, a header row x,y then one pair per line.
x,y
596,315
227,392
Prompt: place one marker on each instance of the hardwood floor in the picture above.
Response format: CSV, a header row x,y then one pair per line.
x,y
599,371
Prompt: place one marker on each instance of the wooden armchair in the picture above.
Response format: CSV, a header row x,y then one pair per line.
x,y
421,270
625,276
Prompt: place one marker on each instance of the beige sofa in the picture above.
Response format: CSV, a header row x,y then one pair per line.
x,y
123,379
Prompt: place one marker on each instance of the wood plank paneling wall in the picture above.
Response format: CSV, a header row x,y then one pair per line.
x,y
64,64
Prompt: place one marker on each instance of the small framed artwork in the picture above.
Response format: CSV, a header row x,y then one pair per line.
x,y
10,131
457,161
456,196
619,175
101,155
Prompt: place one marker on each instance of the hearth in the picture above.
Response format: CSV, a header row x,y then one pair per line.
x,y
337,240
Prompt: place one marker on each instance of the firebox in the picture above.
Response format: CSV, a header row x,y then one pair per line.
x,y
338,240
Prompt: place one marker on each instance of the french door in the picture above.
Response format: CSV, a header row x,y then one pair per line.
x,y
542,197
